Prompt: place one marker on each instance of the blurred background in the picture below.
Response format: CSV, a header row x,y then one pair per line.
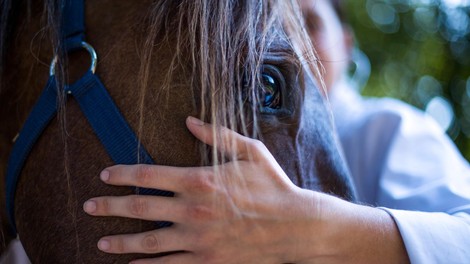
x,y
419,52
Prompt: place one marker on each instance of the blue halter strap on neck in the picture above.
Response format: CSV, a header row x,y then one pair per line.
x,y
97,105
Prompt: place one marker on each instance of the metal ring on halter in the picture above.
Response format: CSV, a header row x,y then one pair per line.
x,y
91,51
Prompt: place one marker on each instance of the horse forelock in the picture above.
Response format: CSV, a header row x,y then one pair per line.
x,y
223,45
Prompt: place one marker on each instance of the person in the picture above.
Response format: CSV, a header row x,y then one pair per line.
x,y
399,158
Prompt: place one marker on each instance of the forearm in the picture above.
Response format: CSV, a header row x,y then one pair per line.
x,y
343,232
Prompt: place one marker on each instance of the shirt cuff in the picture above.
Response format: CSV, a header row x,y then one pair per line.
x,y
434,237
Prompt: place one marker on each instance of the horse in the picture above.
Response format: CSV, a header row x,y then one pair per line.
x,y
247,65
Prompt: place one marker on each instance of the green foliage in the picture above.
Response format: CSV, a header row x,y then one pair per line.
x,y
419,50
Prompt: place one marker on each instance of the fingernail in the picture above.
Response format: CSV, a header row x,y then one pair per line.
x,y
104,245
195,121
104,175
89,206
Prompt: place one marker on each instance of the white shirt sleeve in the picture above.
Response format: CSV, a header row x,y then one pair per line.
x,y
425,174
14,254
434,237
401,160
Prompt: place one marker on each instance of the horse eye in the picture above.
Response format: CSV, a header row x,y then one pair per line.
x,y
271,87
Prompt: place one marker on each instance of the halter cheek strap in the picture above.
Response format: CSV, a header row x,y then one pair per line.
x,y
96,104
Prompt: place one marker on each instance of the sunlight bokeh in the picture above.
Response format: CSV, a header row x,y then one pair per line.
x,y
419,52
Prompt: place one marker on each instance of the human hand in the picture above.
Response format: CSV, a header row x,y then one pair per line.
x,y
244,211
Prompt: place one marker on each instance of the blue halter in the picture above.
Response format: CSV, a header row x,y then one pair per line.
x,y
98,107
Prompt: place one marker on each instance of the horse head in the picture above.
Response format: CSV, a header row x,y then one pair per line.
x,y
246,65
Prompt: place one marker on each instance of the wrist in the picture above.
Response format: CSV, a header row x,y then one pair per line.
x,y
303,239
359,234
331,230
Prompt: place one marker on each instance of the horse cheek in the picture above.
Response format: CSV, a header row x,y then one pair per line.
x,y
319,151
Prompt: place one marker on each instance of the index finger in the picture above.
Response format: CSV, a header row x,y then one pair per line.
x,y
226,140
